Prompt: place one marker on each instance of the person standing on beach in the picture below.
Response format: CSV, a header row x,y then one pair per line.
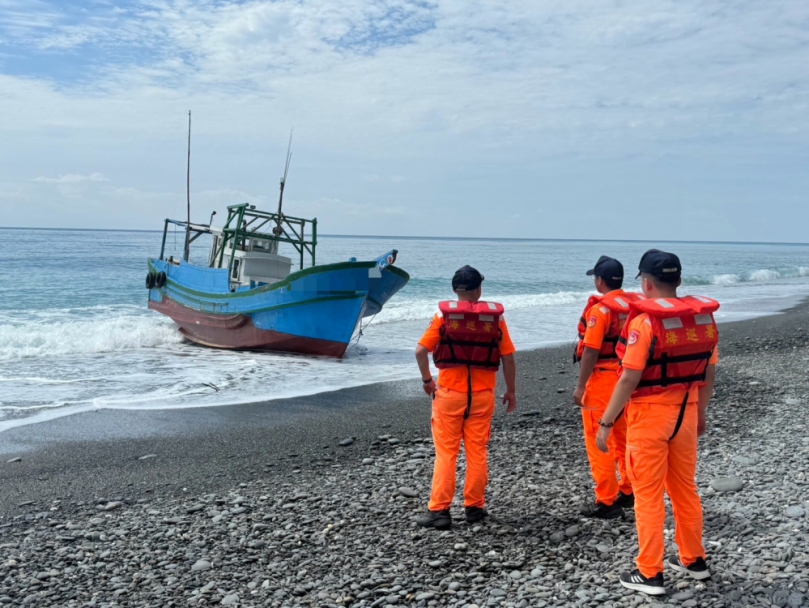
x,y
469,339
668,354
599,330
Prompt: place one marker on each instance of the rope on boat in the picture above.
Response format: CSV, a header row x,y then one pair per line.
x,y
356,340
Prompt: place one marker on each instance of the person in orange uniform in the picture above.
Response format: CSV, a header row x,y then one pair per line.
x,y
668,355
599,330
468,339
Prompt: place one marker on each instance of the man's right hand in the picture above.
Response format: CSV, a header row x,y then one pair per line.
x,y
578,395
429,388
510,401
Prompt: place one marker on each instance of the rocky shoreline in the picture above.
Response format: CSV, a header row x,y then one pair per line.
x,y
325,519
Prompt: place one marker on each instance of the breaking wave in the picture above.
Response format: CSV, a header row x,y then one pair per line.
x,y
52,334
760,275
418,310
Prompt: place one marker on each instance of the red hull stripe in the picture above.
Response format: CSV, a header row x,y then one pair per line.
x,y
238,332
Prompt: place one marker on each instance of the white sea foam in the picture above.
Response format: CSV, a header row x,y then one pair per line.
x,y
754,276
725,279
48,335
418,310
764,274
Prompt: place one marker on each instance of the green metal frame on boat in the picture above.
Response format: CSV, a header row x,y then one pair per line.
x,y
240,226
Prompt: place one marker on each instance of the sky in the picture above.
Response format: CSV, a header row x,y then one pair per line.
x,y
654,119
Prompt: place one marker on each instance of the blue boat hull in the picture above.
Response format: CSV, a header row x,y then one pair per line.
x,y
313,311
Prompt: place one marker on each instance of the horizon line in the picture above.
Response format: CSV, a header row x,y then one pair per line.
x,y
440,238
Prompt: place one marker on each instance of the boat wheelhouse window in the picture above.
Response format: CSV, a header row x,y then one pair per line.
x,y
236,266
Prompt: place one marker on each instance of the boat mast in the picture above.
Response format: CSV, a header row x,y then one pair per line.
x,y
187,250
278,230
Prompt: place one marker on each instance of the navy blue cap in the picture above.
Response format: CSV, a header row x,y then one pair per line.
x,y
607,268
466,279
660,264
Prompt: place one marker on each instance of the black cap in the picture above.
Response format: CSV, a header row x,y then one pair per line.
x,y
660,264
466,279
607,268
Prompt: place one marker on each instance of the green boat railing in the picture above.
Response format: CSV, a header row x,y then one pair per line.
x,y
246,222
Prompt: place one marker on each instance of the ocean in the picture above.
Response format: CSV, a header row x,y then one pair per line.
x,y
75,333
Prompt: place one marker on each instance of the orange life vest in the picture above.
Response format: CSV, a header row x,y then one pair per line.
x,y
684,338
619,307
470,336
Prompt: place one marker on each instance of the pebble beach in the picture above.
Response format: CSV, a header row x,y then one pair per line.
x,y
310,501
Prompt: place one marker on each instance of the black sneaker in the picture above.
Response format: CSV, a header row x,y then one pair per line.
x,y
627,501
475,514
637,582
698,570
602,511
440,520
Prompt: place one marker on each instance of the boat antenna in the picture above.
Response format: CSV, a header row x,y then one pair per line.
x,y
188,194
278,230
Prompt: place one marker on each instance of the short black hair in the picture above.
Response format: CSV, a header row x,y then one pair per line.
x,y
670,280
613,283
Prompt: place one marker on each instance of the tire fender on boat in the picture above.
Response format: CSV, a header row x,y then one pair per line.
x,y
150,281
161,279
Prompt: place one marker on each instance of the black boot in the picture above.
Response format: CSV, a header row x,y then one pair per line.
x,y
475,514
440,520
627,501
602,511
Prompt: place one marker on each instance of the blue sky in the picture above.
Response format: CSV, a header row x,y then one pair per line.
x,y
656,119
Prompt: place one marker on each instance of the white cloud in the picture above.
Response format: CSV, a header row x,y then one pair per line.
x,y
472,100
71,178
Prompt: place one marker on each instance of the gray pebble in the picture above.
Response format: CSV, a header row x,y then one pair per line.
x,y
408,492
201,565
17,459
795,600
795,512
347,442
727,484
230,600
744,460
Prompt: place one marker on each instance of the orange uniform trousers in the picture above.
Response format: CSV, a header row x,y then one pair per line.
x,y
656,463
603,466
449,428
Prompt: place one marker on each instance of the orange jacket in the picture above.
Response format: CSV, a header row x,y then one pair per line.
x,y
617,304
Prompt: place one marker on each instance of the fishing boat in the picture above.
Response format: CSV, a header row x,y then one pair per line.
x,y
247,296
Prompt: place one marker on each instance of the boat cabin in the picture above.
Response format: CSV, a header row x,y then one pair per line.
x,y
253,261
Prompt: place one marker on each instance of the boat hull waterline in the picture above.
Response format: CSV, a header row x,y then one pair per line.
x,y
313,311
